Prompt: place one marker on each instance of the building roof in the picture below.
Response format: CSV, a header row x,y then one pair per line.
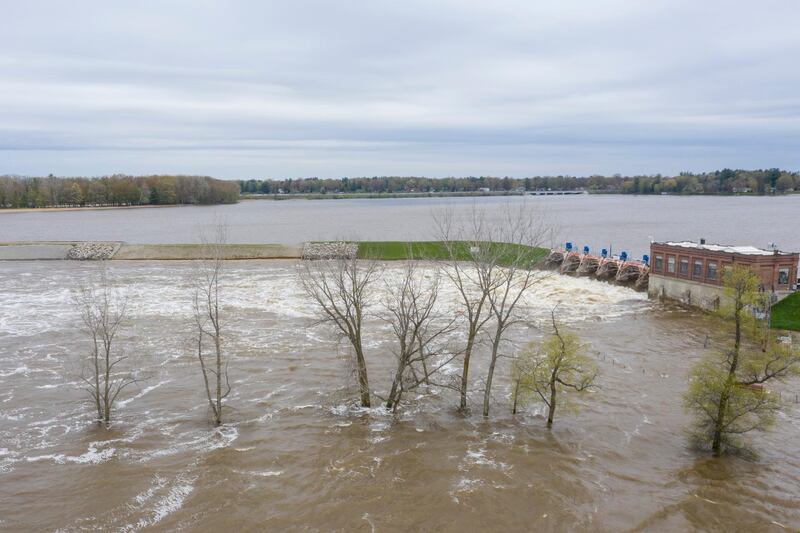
x,y
744,250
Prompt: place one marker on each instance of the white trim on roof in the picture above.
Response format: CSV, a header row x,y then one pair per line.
x,y
744,250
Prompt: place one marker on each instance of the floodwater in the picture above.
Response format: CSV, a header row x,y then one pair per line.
x,y
620,222
295,454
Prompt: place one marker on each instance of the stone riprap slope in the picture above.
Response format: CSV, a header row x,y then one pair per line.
x,y
93,251
329,250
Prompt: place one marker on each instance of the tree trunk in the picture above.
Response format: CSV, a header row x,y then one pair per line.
x,y
218,417
392,400
107,384
363,382
97,384
730,382
424,364
551,411
488,392
465,372
516,397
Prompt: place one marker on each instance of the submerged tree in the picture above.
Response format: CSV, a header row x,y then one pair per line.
x,y
208,321
727,392
342,289
507,274
490,263
464,256
417,326
103,311
545,372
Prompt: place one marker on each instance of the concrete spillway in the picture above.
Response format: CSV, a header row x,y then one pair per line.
x,y
619,270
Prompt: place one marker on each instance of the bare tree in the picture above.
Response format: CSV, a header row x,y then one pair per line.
x,y
208,321
465,254
507,275
342,289
556,365
491,267
103,311
417,326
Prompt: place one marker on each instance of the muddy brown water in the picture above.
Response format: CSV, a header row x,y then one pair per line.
x,y
296,454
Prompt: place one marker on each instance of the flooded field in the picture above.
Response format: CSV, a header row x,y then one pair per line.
x,y
295,454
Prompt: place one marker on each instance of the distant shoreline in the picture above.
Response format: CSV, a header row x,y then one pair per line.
x,y
376,195
388,196
484,194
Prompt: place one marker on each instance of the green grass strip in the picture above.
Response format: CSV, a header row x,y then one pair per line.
x,y
786,313
399,250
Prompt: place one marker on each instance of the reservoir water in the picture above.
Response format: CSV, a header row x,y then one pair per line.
x,y
599,221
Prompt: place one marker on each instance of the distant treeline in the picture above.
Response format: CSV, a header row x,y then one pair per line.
x,y
725,181
118,190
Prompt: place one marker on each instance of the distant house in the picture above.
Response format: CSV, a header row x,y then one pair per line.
x,y
484,189
692,272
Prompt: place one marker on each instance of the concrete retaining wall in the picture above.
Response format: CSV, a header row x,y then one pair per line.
x,y
33,251
689,293
166,252
692,293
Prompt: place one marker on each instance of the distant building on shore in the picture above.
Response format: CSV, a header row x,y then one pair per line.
x,y
692,272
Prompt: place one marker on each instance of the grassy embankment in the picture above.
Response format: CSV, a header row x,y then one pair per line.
x,y
786,313
397,250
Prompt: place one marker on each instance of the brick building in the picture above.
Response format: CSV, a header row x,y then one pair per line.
x,y
692,272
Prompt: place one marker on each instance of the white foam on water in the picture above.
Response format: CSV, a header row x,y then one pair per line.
x,y
203,441
123,403
24,370
144,497
260,473
464,486
171,502
351,409
92,456
269,396
7,460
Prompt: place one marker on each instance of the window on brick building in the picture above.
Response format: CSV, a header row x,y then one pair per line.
x,y
698,268
684,268
670,264
659,264
711,271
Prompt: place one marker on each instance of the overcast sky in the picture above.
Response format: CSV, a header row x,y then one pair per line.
x,y
242,89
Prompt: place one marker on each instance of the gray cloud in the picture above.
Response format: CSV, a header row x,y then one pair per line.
x,y
253,89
